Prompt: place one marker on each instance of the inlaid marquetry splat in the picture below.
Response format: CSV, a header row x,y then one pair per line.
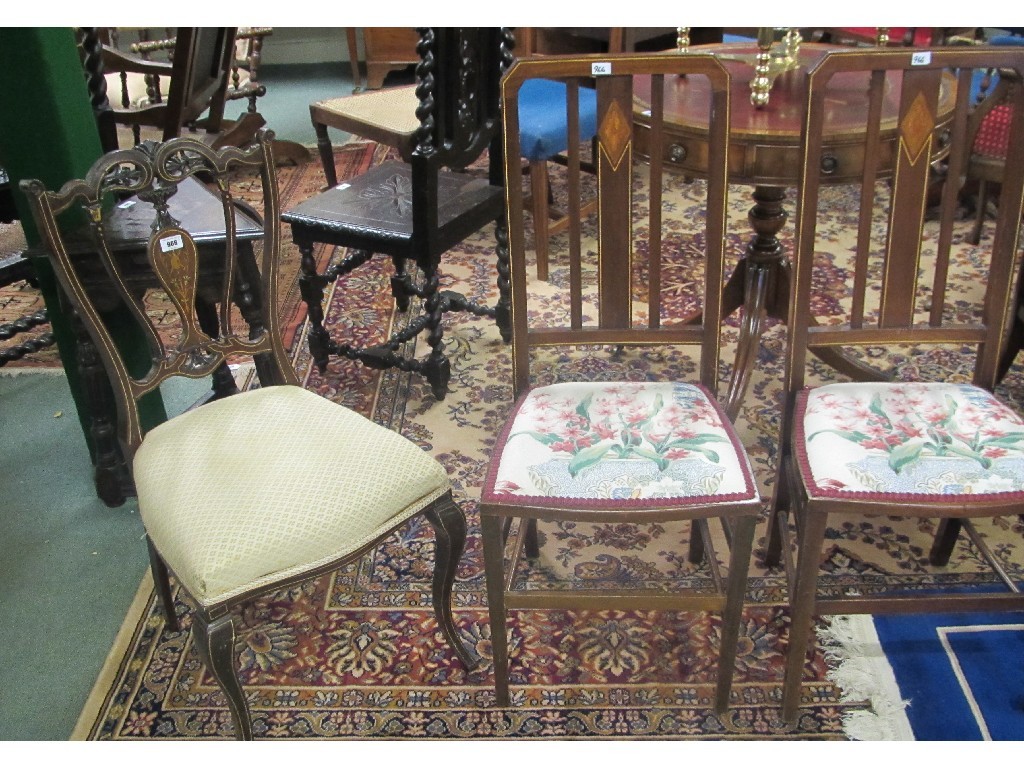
x,y
916,128
175,261
615,134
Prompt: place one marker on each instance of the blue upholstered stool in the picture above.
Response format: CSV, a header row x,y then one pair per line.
x,y
543,136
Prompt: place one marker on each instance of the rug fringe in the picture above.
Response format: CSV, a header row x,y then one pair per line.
x,y
860,669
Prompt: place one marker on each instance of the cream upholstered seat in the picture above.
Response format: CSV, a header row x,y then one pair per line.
x,y
244,492
253,492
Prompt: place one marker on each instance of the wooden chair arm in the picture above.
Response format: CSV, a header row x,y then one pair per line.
x,y
119,61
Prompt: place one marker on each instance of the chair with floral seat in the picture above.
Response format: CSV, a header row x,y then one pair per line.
x,y
905,445
589,440
252,494
988,131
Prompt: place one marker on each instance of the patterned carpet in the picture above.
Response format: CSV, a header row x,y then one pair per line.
x,y
358,655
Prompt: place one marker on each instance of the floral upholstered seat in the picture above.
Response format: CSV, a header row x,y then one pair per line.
x,y
908,442
594,444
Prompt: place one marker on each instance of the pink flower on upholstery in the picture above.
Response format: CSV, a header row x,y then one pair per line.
x,y
621,427
924,428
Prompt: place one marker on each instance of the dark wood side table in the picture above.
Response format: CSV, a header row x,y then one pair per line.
x,y
200,214
764,149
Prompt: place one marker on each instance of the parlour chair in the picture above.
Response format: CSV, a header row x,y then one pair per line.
x,y
589,439
898,446
387,116
244,82
201,76
253,493
415,211
196,82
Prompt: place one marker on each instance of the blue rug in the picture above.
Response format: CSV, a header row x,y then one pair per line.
x,y
962,673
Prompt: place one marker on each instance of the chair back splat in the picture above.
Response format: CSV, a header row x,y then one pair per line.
x,y
133,189
888,442
253,493
594,438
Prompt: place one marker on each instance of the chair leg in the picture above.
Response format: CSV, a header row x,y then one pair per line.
x,y
436,368
531,542
215,641
539,195
323,144
401,284
503,309
945,541
781,502
696,553
162,584
802,610
449,524
979,215
311,287
494,567
739,562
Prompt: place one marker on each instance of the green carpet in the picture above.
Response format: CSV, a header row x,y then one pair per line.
x,y
69,565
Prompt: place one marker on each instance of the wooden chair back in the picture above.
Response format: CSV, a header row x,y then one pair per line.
x,y
198,77
624,301
898,289
85,217
459,112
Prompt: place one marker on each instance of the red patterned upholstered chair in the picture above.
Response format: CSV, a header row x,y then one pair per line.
x,y
989,125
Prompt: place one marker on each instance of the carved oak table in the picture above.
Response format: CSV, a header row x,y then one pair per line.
x,y
764,151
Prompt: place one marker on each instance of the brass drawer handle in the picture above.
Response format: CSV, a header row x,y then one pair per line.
x,y
677,153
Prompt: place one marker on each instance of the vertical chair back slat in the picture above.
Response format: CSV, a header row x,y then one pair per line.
x,y
867,192
620,298
654,186
572,106
955,166
908,198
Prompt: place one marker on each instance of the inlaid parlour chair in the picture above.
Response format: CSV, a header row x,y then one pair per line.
x,y
252,493
416,211
898,445
616,449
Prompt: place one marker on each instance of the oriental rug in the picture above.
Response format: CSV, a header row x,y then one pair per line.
x,y
357,654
